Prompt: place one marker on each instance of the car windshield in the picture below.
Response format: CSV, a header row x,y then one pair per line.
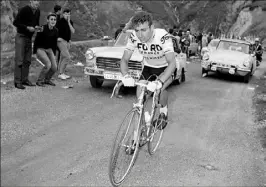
x,y
233,46
122,39
213,43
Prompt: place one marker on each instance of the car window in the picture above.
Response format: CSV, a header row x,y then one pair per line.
x,y
122,39
233,46
213,43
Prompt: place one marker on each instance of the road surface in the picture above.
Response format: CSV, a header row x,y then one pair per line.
x,y
62,137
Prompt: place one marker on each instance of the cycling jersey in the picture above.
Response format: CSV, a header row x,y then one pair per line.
x,y
154,50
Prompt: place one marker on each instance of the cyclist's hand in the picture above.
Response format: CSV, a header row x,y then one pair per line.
x,y
128,81
152,86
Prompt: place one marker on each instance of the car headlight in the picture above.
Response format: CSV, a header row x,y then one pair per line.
x,y
89,54
246,63
206,56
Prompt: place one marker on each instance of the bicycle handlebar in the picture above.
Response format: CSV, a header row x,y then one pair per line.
x,y
140,84
120,83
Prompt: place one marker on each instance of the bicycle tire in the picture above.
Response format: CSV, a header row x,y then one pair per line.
x,y
152,132
117,145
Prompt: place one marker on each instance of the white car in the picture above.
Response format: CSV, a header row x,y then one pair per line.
x,y
103,63
231,56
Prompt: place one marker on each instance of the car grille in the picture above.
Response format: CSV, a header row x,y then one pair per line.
x,y
223,65
113,64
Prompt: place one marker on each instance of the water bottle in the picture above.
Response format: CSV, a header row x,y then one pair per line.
x,y
147,117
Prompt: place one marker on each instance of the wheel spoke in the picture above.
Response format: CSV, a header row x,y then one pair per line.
x,y
124,152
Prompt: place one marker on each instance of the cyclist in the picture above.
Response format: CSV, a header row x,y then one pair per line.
x,y
156,46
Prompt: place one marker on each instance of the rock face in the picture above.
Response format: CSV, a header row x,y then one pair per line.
x,y
94,19
8,31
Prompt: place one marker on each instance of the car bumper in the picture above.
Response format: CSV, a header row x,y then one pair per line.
x,y
109,75
227,70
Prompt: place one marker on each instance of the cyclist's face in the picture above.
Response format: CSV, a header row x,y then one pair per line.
x,y
144,31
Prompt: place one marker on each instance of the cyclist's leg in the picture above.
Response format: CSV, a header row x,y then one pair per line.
x,y
163,99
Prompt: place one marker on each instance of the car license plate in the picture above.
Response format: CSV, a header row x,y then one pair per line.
x,y
232,71
112,76
213,68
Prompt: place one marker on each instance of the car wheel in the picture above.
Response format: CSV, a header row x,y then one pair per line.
x,y
246,78
183,75
96,82
204,72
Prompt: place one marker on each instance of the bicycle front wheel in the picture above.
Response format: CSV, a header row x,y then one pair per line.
x,y
155,133
125,148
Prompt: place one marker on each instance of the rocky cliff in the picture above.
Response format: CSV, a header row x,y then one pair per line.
x,y
94,19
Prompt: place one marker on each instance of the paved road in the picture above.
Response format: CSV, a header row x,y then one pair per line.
x,y
62,137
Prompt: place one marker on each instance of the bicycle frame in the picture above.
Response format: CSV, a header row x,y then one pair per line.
x,y
140,104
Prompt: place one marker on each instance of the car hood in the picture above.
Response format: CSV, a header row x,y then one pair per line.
x,y
228,57
115,52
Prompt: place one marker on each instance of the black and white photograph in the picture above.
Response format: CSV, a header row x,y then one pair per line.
x,y
133,93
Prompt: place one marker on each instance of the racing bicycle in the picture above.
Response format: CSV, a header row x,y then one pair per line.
x,y
138,128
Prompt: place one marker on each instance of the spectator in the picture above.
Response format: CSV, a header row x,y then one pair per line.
x,y
175,34
180,33
175,30
185,41
258,50
177,46
118,31
209,38
26,22
57,11
204,40
189,36
171,31
65,29
199,40
45,47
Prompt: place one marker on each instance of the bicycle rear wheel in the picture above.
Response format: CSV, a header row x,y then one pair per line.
x,y
155,133
125,148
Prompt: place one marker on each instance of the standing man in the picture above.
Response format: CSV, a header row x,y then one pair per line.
x,y
199,39
258,51
26,22
57,11
65,29
204,40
